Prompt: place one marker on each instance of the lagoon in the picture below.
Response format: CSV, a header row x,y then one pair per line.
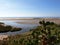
x,y
26,25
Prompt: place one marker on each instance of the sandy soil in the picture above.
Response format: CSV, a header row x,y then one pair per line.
x,y
55,20
36,21
3,37
29,22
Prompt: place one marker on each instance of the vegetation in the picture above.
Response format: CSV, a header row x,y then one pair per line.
x,y
7,28
48,33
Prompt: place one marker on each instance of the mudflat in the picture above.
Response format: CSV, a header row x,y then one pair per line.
x,y
31,20
36,21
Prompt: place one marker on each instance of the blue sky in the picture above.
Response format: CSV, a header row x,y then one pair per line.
x,y
29,8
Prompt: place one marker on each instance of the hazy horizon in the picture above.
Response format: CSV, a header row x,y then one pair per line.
x,y
31,17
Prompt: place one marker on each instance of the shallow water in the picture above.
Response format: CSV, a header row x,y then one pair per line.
x,y
25,27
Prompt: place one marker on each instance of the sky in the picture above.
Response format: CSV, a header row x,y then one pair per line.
x,y
29,8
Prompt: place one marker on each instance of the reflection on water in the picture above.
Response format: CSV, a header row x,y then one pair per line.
x,y
25,27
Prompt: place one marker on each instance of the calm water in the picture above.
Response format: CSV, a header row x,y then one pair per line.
x,y
25,27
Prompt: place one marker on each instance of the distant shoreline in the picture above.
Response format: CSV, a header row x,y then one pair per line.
x,y
27,18
31,20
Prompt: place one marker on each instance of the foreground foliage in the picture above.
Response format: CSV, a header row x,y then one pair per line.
x,y
48,33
